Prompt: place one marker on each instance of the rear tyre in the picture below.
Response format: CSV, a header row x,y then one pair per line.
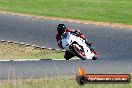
x,y
68,55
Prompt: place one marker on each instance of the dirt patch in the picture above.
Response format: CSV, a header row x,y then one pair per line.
x,y
115,25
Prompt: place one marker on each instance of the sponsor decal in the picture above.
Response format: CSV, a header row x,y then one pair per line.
x,y
83,78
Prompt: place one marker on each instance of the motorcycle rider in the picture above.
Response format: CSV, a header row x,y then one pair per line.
x,y
61,29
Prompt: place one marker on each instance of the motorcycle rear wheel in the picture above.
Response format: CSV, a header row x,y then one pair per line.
x,y
68,55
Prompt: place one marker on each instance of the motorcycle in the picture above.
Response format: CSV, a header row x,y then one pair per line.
x,y
77,47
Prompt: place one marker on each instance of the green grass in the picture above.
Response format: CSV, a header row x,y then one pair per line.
x,y
62,82
15,51
113,11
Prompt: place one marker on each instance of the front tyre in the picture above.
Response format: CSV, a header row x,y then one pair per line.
x,y
95,58
79,51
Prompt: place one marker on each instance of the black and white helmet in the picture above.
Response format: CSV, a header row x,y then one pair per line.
x,y
61,28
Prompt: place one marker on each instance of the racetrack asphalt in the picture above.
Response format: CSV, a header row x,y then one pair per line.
x,y
114,46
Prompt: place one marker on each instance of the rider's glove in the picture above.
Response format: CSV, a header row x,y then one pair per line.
x,y
77,31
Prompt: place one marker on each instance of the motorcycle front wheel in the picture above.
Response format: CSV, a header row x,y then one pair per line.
x,y
79,51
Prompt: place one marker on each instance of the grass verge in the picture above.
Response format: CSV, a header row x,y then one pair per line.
x,y
62,82
113,11
15,51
